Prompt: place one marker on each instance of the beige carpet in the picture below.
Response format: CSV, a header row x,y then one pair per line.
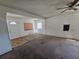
x,y
21,40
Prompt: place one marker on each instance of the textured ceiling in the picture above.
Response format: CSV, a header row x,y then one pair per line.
x,y
44,8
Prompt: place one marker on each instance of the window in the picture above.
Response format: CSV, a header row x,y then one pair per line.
x,y
39,25
13,23
66,27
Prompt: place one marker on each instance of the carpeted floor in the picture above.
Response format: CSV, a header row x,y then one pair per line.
x,y
21,40
45,47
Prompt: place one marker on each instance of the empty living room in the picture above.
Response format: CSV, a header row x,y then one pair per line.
x,y
39,29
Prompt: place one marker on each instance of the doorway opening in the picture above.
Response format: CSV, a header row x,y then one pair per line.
x,y
17,28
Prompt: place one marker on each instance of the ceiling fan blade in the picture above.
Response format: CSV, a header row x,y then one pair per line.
x,y
77,5
61,8
73,3
74,8
64,10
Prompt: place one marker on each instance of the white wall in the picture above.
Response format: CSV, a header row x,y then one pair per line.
x,y
54,25
5,45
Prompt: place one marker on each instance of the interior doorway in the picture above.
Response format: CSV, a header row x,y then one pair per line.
x,y
38,26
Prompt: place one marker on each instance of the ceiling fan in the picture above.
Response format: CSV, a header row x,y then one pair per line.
x,y
70,6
